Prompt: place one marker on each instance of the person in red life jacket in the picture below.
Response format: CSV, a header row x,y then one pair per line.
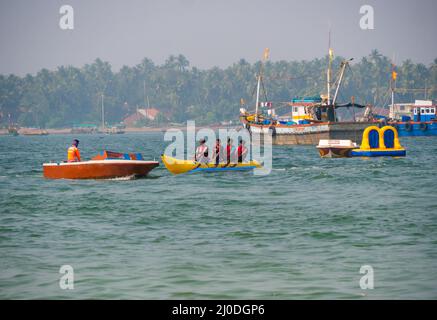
x,y
217,154
201,154
229,151
73,154
241,151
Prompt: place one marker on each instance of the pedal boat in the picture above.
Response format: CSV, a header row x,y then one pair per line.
x,y
177,166
380,142
107,165
336,148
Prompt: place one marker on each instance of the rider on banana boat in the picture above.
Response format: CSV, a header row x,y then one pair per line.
x,y
217,154
201,154
241,151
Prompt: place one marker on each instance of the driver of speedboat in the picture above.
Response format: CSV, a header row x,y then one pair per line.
x,y
73,154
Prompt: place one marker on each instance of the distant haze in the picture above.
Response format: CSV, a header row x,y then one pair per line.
x,y
209,32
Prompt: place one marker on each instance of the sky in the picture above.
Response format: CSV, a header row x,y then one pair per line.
x,y
209,32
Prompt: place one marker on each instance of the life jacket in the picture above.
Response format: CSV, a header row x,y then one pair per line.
x,y
240,150
201,152
73,154
228,150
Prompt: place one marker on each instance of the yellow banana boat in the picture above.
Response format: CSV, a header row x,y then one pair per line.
x,y
177,166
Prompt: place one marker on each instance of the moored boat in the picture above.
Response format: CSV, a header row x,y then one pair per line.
x,y
311,118
336,148
33,132
178,166
107,165
414,119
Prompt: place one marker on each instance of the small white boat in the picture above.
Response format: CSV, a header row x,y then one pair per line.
x,y
336,148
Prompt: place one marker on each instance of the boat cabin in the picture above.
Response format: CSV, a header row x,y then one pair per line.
x,y
424,113
401,111
301,111
419,111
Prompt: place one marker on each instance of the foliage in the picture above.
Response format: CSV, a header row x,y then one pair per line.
x,y
71,95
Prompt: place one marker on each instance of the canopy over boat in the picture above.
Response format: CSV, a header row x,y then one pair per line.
x,y
177,166
106,165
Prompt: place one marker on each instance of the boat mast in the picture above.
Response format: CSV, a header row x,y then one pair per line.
x,y
257,98
328,73
393,82
103,114
265,57
392,96
144,92
392,85
343,68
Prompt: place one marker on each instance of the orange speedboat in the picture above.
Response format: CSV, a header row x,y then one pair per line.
x,y
107,165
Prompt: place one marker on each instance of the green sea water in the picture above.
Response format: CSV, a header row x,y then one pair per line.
x,y
302,232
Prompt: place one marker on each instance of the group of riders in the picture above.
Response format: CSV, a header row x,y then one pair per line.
x,y
220,154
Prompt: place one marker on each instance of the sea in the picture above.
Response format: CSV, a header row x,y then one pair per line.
x,y
313,228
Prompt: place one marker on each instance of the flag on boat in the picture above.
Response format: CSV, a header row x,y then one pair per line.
x,y
331,53
266,53
266,104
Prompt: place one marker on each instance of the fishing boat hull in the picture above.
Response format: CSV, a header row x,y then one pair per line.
x,y
177,166
415,129
307,134
98,169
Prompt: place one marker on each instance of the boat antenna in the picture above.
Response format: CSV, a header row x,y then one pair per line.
x,y
103,113
393,82
329,71
259,77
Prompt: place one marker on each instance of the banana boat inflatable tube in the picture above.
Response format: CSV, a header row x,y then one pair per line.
x,y
178,166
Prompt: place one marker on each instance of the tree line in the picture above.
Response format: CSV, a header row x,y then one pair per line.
x,y
69,95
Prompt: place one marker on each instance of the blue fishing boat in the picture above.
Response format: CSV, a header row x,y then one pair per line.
x,y
418,119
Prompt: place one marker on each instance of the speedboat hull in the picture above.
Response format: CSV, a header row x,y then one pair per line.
x,y
98,169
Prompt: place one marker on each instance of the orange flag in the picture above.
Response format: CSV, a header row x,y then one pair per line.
x,y
266,53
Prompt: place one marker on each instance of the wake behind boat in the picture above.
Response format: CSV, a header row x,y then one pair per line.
x,y
177,166
106,165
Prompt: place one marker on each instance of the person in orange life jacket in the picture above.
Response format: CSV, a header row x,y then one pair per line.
x,y
241,151
73,154
217,154
201,154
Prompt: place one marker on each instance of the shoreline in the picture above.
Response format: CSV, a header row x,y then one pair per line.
x,y
41,132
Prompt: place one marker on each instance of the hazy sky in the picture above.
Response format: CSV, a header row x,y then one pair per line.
x,y
209,32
